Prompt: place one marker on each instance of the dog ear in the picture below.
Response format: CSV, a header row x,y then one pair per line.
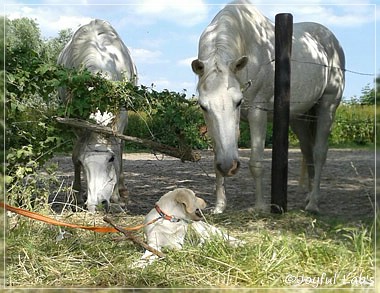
x,y
187,198
201,203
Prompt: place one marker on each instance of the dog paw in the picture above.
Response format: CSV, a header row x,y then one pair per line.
x,y
146,260
141,264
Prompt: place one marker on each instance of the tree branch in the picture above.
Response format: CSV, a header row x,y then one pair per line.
x,y
129,235
183,154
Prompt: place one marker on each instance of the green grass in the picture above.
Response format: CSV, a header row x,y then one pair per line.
x,y
280,251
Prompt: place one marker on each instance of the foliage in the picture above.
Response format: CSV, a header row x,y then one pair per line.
x,y
31,136
168,117
52,47
173,119
354,124
31,101
87,93
2,122
369,95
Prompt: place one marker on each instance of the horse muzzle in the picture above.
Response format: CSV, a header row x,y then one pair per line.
x,y
228,170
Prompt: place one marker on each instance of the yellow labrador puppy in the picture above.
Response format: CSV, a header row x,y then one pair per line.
x,y
171,217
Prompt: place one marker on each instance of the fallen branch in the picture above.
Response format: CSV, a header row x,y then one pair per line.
x,y
183,154
129,235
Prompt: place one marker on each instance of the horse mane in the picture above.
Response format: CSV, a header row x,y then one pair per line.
x,y
231,23
98,47
215,45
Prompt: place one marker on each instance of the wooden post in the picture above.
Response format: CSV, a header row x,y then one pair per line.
x,y
283,51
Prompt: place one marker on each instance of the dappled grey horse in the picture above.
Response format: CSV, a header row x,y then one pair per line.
x,y
98,47
236,77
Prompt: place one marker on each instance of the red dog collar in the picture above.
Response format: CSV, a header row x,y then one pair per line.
x,y
166,216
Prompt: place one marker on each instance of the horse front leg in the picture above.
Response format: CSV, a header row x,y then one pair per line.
x,y
77,185
220,192
123,192
258,124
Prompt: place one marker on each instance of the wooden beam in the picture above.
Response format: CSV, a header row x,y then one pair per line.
x,y
184,154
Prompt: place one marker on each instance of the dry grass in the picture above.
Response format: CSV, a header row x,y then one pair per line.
x,y
292,250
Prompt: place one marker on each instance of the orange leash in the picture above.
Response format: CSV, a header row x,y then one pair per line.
x,y
42,218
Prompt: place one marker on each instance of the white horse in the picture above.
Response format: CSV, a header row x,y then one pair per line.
x,y
236,51
98,47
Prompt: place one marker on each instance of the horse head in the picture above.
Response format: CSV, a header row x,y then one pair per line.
x,y
100,157
220,98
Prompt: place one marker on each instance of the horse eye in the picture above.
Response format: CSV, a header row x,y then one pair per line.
x,y
203,107
111,159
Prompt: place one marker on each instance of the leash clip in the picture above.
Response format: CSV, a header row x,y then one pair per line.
x,y
174,219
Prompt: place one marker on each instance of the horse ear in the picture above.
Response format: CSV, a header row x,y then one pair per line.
x,y
198,67
239,64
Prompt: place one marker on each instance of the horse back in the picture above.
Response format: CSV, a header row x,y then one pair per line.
x,y
327,41
317,63
99,48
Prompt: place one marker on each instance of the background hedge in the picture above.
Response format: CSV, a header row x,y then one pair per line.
x,y
354,126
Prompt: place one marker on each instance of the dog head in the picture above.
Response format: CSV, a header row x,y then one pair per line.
x,y
183,203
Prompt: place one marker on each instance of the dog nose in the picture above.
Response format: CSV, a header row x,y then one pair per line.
x,y
228,169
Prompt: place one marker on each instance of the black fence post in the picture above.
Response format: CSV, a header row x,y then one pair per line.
x,y
283,51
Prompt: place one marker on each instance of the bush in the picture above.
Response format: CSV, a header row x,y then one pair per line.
x,y
31,101
167,117
354,124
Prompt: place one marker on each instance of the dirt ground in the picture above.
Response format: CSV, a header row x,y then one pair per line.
x,y
347,188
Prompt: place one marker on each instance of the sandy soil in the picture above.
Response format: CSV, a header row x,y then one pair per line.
x,y
348,185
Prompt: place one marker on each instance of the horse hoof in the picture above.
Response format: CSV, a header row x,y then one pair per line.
x,y
116,208
123,193
312,208
217,210
106,206
261,207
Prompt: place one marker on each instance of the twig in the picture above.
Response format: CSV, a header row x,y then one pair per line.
x,y
183,154
129,235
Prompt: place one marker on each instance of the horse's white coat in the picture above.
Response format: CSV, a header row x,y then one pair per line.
x,y
98,47
237,47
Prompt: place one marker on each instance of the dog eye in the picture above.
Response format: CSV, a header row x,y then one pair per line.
x,y
111,159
